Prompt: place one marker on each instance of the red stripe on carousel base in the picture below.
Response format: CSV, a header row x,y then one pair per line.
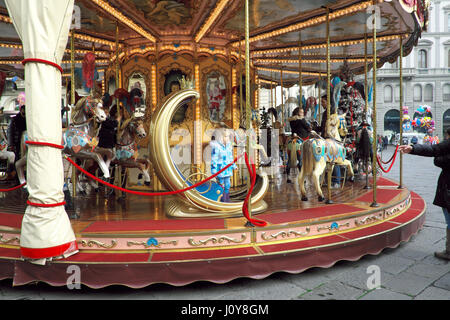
x,y
41,253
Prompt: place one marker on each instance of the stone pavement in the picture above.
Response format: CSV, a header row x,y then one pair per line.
x,y
408,272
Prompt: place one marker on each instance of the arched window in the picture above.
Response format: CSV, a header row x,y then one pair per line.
x,y
417,93
387,94
446,92
392,120
448,58
428,95
422,59
445,122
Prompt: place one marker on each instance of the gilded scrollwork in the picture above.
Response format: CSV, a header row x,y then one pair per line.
x,y
334,226
148,244
91,243
215,240
285,234
369,219
7,241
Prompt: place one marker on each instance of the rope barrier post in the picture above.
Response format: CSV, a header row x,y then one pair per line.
x,y
248,110
118,169
330,167
400,185
374,100
366,101
72,101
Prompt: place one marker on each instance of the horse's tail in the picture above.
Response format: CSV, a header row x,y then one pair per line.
x,y
364,144
308,156
293,154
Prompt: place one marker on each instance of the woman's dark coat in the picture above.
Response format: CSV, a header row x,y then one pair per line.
x,y
441,152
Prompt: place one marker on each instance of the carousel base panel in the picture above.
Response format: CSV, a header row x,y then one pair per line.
x,y
132,242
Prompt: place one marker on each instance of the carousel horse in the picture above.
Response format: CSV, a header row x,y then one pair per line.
x,y
9,156
126,153
317,152
364,151
79,138
294,154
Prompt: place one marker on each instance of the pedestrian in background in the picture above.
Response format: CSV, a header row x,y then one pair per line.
x,y
441,154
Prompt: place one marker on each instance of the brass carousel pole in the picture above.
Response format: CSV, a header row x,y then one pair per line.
x,y
300,79
328,201
319,100
241,99
118,168
72,101
247,104
374,113
366,105
400,65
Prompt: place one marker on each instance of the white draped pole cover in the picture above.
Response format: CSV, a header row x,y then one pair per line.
x,y
43,27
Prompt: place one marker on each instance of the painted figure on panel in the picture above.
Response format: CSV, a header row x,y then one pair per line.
x,y
166,12
216,96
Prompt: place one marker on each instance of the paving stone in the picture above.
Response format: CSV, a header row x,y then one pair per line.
x,y
333,290
426,270
392,264
433,293
443,282
359,277
384,294
408,283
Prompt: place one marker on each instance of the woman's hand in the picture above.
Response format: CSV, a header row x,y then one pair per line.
x,y
405,149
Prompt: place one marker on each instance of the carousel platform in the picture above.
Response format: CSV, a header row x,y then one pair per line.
x,y
133,243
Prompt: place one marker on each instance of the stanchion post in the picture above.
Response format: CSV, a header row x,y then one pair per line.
x,y
366,98
248,106
72,100
330,166
374,100
400,65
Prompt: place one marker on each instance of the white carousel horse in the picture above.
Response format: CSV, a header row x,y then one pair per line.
x,y
318,152
79,138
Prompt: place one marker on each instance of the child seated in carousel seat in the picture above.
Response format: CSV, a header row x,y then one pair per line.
x,y
221,156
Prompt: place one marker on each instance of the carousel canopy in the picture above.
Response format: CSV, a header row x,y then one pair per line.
x,y
280,30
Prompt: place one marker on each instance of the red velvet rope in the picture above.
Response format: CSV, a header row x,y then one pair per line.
x,y
392,163
151,193
57,66
13,188
47,144
45,205
252,175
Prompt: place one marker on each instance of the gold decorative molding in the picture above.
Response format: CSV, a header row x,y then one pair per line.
x,y
215,240
285,234
334,225
148,244
90,243
369,219
6,241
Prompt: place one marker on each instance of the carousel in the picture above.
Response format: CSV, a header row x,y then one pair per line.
x,y
148,156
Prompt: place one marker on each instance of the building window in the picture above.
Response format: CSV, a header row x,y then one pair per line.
x,y
448,22
428,95
423,63
445,122
446,92
417,93
392,120
387,94
448,58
